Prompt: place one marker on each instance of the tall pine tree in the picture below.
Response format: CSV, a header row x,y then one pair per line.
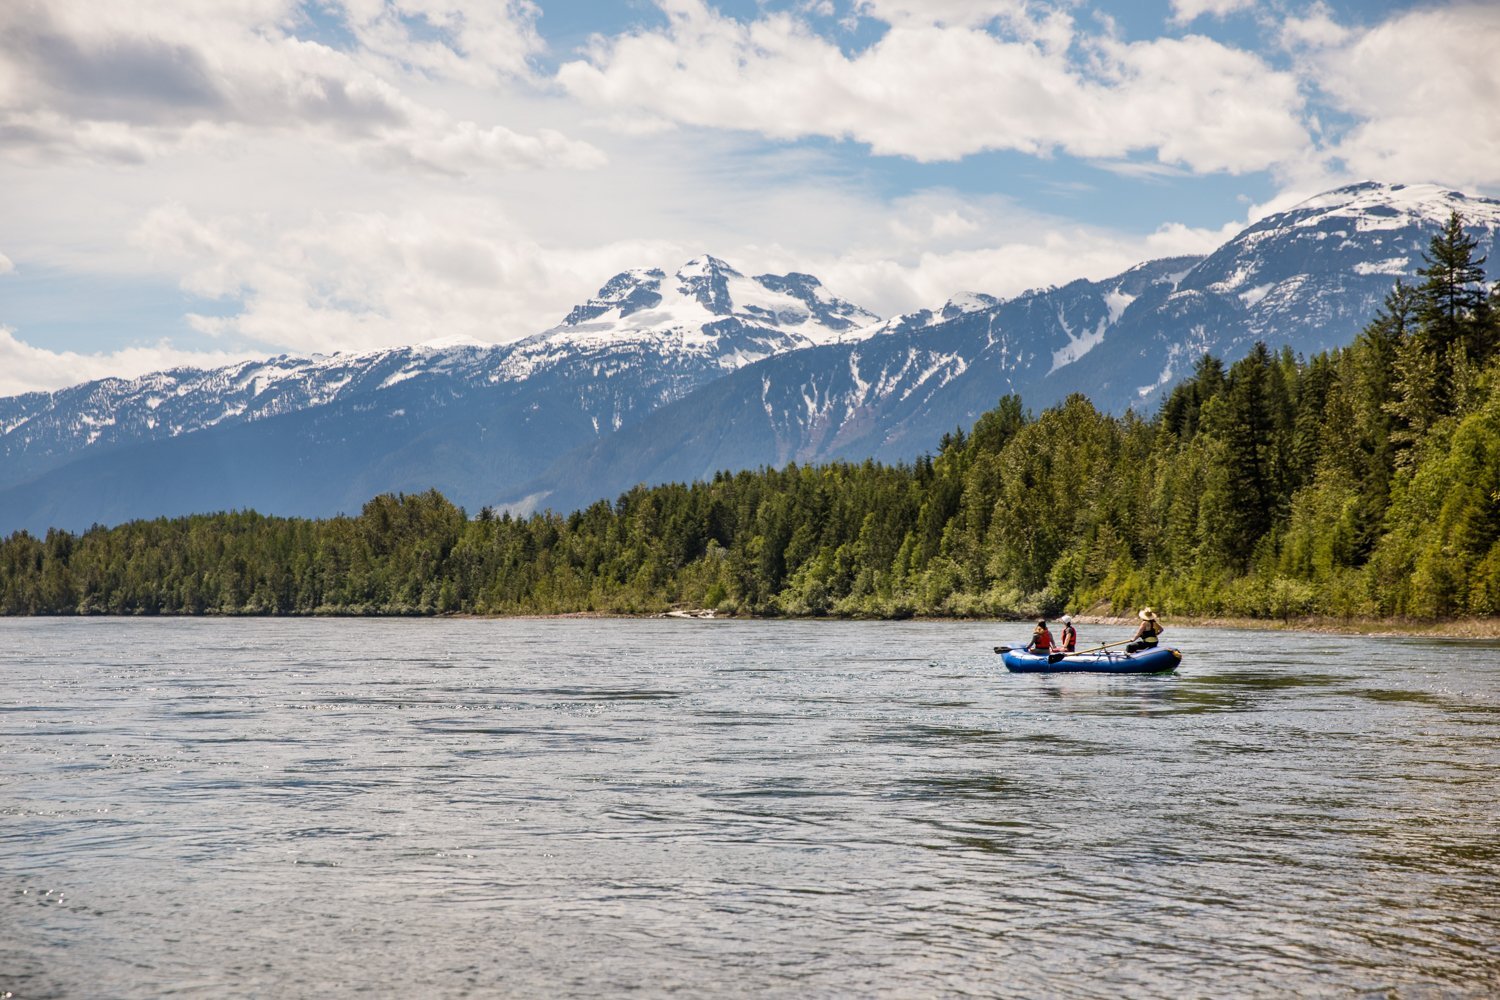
x,y
1452,307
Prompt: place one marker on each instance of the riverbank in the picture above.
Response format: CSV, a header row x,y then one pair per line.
x,y
1464,628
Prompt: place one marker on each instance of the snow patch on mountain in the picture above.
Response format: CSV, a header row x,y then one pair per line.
x,y
1394,266
1116,300
396,378
1251,296
861,387
1079,343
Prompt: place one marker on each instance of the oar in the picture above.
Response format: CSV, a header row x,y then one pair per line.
x,y
1105,646
1051,657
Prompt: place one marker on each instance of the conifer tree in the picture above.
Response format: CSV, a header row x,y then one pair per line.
x,y
1183,407
1245,423
1452,304
1415,404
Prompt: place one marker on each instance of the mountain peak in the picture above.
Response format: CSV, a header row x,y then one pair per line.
x,y
706,279
705,265
628,292
1379,205
451,342
710,309
967,302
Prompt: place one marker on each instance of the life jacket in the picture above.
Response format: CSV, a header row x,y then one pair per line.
x,y
1069,638
1041,640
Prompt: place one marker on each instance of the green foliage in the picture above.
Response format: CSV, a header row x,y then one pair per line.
x,y
1363,481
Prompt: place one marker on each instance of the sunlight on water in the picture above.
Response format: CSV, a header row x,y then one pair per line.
x,y
442,808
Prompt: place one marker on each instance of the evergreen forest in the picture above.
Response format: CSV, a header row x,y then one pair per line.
x,y
1361,483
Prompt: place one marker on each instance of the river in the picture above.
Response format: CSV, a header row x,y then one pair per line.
x,y
447,808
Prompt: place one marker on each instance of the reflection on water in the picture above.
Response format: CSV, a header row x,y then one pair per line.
x,y
451,808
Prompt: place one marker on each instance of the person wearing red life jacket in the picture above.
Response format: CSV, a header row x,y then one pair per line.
x,y
1069,635
1041,640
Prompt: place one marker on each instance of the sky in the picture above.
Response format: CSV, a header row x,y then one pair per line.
x,y
191,183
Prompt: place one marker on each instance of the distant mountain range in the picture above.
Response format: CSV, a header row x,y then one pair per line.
x,y
660,378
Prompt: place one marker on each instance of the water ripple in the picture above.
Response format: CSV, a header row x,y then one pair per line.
x,y
584,808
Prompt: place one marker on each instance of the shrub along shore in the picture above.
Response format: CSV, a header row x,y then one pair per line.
x,y
1360,486
1452,628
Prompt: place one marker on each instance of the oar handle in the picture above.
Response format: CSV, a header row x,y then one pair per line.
x,y
1105,646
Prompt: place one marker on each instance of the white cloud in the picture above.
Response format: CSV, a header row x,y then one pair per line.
x,y
1424,88
935,219
966,13
362,195
1186,11
133,82
891,283
933,92
467,148
5,264
26,368
362,281
1141,169
474,43
356,281
1317,29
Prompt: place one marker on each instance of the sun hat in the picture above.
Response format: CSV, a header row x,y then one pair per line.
x,y
1067,619
1147,615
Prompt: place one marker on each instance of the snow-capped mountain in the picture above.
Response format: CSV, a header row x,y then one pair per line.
x,y
41,430
707,319
890,396
673,377
693,307
1310,277
642,341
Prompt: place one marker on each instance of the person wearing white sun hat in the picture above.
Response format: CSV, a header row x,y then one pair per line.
x,y
1145,636
1069,643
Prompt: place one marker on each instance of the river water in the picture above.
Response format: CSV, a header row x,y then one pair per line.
x,y
584,808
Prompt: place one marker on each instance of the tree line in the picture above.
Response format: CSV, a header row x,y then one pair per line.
x,y
1363,482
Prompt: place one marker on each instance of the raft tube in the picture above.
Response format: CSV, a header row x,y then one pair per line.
x,y
1150,661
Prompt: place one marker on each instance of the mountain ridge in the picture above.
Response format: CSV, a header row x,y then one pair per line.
x,y
737,370
40,431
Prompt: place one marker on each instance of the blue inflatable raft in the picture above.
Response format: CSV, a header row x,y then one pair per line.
x,y
1150,661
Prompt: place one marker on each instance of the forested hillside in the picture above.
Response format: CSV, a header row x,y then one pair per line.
x,y
1360,482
